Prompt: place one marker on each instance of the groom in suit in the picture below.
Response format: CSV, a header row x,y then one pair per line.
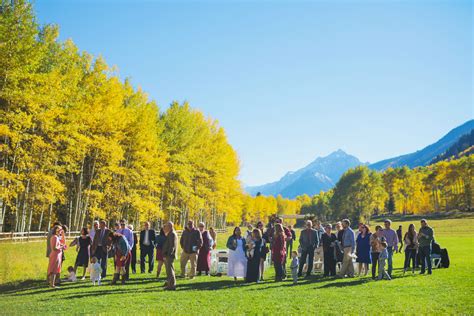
x,y
147,245
100,246
308,242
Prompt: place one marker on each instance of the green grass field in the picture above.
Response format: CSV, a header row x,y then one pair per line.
x,y
448,291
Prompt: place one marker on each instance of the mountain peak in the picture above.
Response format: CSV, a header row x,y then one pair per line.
x,y
338,153
319,175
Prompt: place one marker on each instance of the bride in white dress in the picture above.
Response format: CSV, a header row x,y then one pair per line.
x,y
237,262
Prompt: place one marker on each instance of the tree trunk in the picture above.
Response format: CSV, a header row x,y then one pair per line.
x,y
77,205
41,220
24,206
3,211
49,217
31,216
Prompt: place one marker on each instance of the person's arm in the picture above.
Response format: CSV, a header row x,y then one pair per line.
x,y
199,240
430,235
314,240
142,237
229,243
173,245
181,240
353,244
153,238
396,240
74,242
132,239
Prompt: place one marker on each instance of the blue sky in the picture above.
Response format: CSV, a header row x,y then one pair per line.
x,y
290,81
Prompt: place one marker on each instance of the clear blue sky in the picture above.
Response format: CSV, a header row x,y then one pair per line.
x,y
290,81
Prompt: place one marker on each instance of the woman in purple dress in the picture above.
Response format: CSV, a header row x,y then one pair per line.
x,y
204,256
363,249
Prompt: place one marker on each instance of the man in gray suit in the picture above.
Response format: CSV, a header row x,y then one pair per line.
x,y
169,253
100,246
309,240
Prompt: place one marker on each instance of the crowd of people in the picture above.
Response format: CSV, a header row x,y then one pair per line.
x,y
247,252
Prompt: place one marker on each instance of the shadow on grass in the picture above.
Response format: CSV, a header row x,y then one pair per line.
x,y
32,287
106,290
347,283
27,285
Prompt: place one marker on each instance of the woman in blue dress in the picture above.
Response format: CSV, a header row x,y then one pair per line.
x,y
363,249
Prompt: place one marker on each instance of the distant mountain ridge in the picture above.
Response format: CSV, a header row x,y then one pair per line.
x,y
464,146
320,175
323,173
424,156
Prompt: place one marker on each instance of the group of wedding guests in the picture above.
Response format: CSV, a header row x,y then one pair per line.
x,y
94,247
247,251
367,248
247,254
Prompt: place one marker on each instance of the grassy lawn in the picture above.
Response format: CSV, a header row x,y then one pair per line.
x,y
447,291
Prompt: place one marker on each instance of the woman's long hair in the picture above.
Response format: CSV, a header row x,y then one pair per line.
x,y
55,229
411,232
279,231
258,233
84,231
235,229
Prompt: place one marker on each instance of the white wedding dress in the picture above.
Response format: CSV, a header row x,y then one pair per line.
x,y
237,262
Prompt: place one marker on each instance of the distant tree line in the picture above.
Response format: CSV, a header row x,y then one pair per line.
x,y
464,146
362,192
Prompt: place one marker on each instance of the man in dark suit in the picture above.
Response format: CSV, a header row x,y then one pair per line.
x,y
100,246
309,240
169,253
147,245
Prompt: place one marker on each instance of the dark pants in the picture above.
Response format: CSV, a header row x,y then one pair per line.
x,y
425,258
329,263
375,260
290,248
144,252
101,256
410,254
390,260
278,270
306,257
127,267
133,261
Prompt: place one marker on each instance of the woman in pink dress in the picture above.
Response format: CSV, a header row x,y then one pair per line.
x,y
56,256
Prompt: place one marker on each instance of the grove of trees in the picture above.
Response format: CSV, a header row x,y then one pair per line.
x,y
77,143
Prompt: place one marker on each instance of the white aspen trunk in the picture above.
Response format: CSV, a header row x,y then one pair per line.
x,y
40,223
24,207
50,214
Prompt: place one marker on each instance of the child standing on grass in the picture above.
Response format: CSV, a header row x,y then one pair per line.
x,y
295,262
95,271
382,258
